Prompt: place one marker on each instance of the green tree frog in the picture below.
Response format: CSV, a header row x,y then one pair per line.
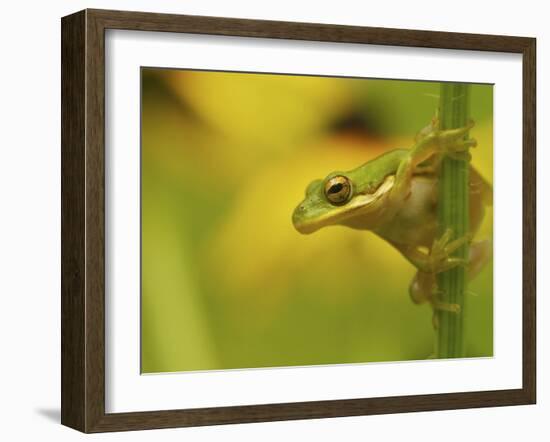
x,y
395,196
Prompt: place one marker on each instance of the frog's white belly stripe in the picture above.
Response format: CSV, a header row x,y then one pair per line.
x,y
416,220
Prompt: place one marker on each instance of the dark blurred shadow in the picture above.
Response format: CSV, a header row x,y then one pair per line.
x,y
52,414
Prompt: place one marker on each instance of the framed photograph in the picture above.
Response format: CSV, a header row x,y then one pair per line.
x,y
267,220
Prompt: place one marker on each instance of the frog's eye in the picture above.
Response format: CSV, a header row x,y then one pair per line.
x,y
338,190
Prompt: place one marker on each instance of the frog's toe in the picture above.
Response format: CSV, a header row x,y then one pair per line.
x,y
440,306
447,307
443,247
462,146
449,263
440,243
461,156
451,246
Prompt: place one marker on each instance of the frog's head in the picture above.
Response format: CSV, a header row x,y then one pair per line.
x,y
341,198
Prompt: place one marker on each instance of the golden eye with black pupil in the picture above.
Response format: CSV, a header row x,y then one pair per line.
x,y
338,190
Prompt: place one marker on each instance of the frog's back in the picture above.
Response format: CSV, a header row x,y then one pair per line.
x,y
377,169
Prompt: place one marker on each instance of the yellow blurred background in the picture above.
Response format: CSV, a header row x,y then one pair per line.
x,y
227,282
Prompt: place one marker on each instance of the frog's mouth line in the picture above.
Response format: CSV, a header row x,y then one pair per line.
x,y
361,203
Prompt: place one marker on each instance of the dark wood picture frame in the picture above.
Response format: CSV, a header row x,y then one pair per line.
x,y
83,219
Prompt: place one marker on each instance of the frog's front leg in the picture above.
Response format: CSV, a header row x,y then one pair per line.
x,y
438,142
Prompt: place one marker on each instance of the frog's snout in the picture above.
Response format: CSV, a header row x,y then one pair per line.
x,y
300,222
297,216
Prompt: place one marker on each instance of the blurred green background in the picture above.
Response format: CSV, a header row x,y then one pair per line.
x,y
226,280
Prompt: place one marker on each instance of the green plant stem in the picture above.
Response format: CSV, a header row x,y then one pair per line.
x,y
453,207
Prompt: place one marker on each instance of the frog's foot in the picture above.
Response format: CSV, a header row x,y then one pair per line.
x,y
440,306
461,150
453,136
461,146
423,288
446,306
439,259
452,143
462,156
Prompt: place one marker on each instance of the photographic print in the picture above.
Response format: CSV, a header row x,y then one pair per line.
x,y
293,220
267,221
